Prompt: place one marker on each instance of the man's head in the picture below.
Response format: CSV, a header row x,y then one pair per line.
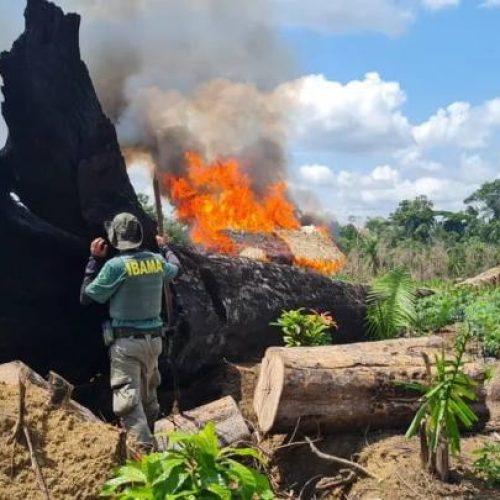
x,y
125,232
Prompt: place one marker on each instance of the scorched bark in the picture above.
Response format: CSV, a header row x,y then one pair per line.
x,y
63,160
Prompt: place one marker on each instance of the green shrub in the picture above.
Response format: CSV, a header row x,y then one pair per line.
x,y
303,328
196,467
488,463
391,305
480,308
483,315
442,309
445,403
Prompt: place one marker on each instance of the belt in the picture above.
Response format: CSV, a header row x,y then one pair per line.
x,y
134,333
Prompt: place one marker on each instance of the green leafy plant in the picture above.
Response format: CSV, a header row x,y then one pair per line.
x,y
488,463
443,308
303,328
480,308
195,467
483,314
391,305
444,406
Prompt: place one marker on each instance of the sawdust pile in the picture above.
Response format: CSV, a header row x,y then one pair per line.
x,y
75,457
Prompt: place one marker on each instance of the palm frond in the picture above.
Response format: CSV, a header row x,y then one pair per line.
x,y
391,305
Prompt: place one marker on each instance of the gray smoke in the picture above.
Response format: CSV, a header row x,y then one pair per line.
x,y
178,75
312,212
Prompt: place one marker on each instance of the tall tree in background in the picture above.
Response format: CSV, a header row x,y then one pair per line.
x,y
487,198
415,219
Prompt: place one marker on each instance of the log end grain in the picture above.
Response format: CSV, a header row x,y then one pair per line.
x,y
269,388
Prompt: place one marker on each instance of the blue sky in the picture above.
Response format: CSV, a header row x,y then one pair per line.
x,y
383,99
442,56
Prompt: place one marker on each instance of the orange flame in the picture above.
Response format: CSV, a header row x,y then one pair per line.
x,y
327,267
215,197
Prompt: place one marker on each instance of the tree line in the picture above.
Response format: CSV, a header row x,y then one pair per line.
x,y
428,242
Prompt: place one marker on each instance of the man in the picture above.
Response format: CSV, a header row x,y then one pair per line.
x,y
132,283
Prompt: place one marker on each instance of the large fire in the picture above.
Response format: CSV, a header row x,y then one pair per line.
x,y
215,198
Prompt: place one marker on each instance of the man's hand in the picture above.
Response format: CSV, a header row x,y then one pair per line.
x,y
99,248
162,240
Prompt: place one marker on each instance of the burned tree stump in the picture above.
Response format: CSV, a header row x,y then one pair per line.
x,y
352,386
63,161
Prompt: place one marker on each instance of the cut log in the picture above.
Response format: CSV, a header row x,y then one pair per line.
x,y
353,386
224,413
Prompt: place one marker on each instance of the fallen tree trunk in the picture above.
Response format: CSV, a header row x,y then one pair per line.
x,y
354,386
224,413
225,306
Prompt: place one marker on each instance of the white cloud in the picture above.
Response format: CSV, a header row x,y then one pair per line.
x,y
385,174
440,4
362,115
386,16
460,124
316,174
412,158
379,191
474,169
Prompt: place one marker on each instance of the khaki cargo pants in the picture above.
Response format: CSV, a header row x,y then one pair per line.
x,y
134,380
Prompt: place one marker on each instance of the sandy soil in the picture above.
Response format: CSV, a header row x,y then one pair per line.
x,y
75,457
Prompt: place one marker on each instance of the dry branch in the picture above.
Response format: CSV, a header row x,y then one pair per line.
x,y
36,467
21,429
341,461
21,408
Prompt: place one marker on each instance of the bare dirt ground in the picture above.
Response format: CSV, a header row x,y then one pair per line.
x,y
297,473
396,461
75,457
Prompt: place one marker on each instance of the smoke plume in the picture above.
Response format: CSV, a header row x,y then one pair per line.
x,y
197,75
